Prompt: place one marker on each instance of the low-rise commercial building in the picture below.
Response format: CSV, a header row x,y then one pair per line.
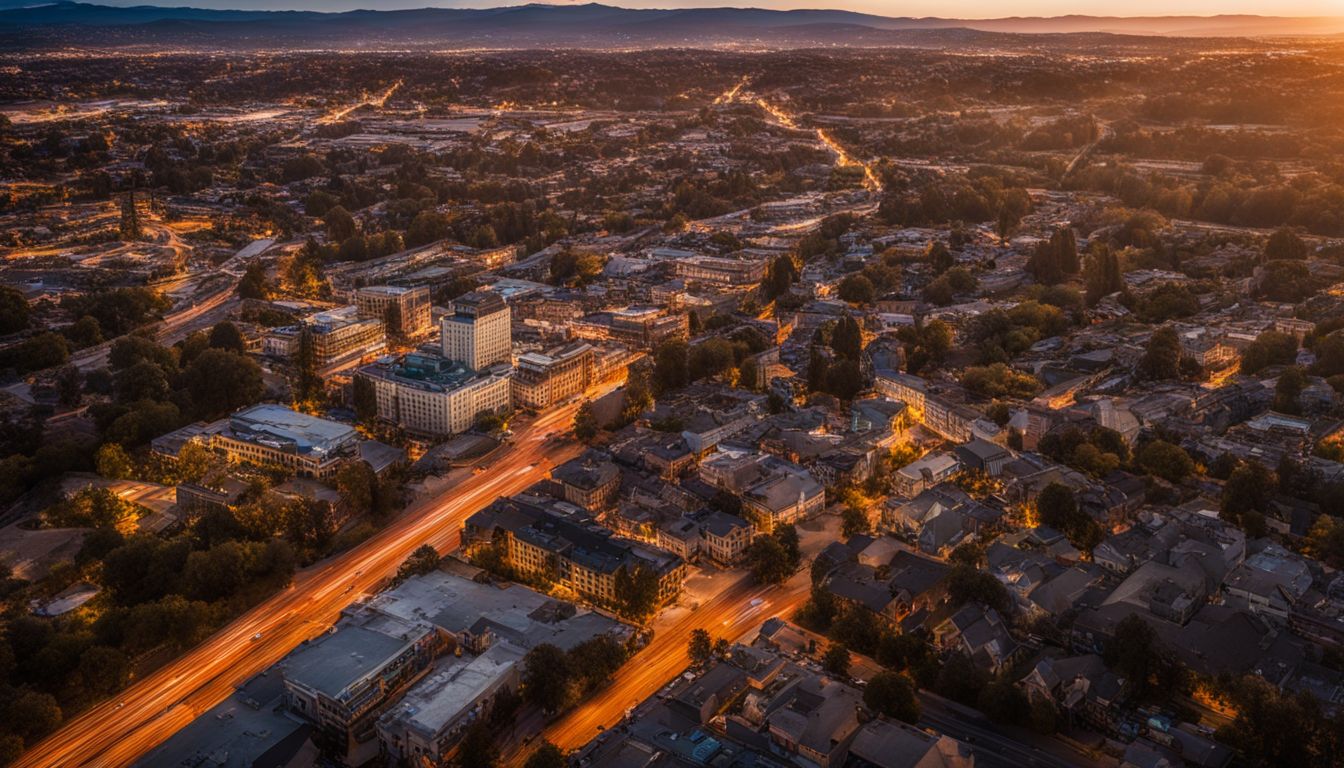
x,y
721,272
340,678
273,434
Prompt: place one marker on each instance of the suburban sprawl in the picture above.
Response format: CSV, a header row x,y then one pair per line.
x,y
967,403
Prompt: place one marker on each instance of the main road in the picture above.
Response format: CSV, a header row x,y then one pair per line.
x,y
119,731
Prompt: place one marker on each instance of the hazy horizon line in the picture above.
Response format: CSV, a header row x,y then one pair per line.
x,y
354,6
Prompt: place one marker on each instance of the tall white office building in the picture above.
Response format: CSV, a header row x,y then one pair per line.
x,y
477,332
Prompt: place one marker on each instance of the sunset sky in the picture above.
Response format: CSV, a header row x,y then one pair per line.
x,y
968,9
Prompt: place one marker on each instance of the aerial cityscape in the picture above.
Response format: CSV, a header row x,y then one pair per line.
x,y
575,385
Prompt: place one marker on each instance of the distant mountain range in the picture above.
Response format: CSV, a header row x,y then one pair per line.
x,y
592,25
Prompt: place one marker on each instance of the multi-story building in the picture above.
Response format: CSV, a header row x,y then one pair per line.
x,y
773,491
637,327
273,434
477,332
725,537
924,473
721,272
430,721
951,420
573,551
542,379
412,307
590,482
339,335
341,679
434,396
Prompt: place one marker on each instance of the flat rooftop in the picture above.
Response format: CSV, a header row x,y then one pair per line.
x,y
453,686
391,290
278,426
248,729
334,662
521,616
434,373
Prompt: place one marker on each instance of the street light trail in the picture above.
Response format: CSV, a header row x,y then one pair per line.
x,y
119,731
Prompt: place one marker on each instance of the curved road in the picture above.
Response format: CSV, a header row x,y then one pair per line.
x,y
119,731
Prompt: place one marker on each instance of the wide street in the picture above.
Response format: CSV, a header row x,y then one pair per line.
x,y
120,730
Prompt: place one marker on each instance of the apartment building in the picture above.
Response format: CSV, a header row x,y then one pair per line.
x,y
477,331
339,335
773,491
412,314
542,379
571,550
951,420
637,327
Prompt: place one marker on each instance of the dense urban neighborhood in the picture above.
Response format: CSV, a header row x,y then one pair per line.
x,y
971,399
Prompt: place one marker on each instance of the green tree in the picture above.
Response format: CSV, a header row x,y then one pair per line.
x,y
113,462
966,585
425,559
1102,274
836,660
194,461
939,257
365,398
670,367
1269,348
358,484
768,561
14,311
254,284
548,681
1136,653
1285,244
142,381
700,647
1057,507
585,423
818,370
1288,390
340,224
31,715
45,350
1162,358
221,381
1003,702
69,385
1246,497
547,756
781,276
130,228
226,336
893,695
854,521
1167,461
637,589
477,748
308,385
847,338
857,289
